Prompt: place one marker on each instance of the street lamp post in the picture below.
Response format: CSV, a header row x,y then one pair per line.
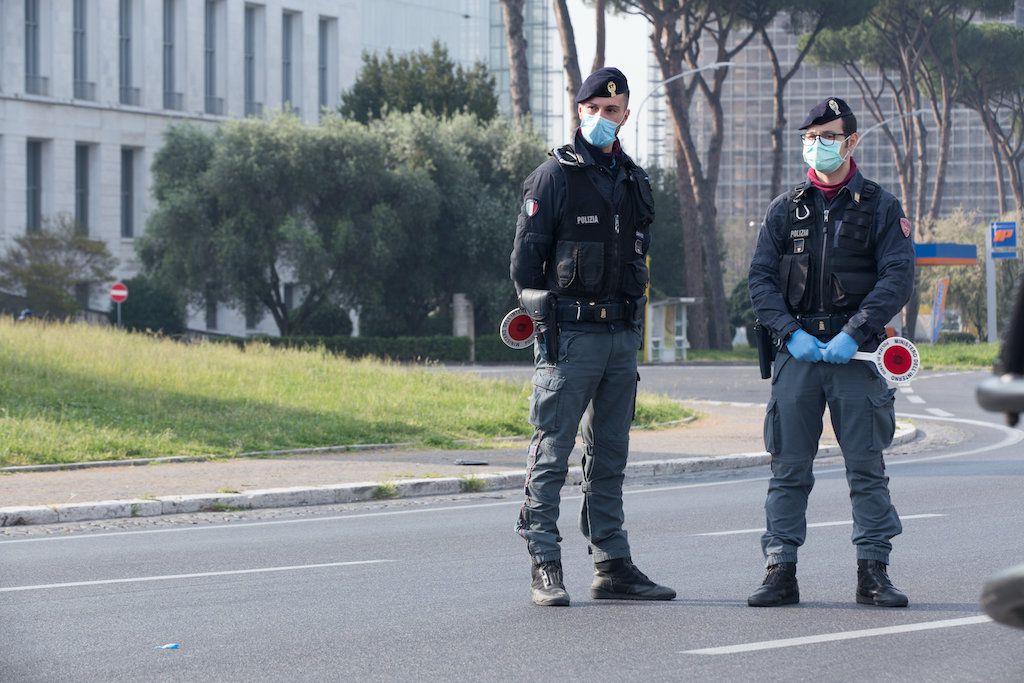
x,y
657,86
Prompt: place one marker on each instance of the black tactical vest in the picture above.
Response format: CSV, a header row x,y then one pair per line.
x,y
600,249
829,269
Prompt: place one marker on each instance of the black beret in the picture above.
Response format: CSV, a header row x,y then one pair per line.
x,y
606,82
827,110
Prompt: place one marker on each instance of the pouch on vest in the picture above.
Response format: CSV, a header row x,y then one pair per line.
x,y
579,265
634,278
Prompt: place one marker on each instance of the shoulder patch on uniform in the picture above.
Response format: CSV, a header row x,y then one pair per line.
x,y
905,227
530,208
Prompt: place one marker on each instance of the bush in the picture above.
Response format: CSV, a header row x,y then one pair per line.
x,y
490,349
150,307
957,338
741,311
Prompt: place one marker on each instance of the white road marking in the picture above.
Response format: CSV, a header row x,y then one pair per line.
x,y
939,412
1013,437
906,390
842,635
172,577
914,398
815,525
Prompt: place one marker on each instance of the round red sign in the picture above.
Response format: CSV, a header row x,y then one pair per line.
x,y
119,292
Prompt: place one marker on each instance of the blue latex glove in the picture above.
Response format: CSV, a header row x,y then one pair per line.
x,y
803,346
840,349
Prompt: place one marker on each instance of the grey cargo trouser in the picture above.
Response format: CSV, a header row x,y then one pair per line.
x,y
594,379
864,420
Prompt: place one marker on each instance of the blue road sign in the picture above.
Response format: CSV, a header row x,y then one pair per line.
x,y
1003,236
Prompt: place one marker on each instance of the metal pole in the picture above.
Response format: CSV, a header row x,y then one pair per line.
x,y
119,314
990,287
657,86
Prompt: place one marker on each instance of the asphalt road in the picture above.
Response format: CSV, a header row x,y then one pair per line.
x,y
438,589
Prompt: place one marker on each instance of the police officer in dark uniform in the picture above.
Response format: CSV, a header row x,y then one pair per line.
x,y
578,265
834,263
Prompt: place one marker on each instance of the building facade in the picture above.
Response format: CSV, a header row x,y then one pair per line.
x,y
88,87
743,188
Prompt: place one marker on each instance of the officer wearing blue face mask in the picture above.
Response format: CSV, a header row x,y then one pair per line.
x,y
578,265
834,262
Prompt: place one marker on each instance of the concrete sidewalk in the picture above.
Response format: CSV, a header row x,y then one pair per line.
x,y
724,436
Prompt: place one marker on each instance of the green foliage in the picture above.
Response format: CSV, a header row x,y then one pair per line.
x,y
390,219
741,311
430,81
385,491
490,349
150,306
967,289
48,264
668,277
471,484
957,338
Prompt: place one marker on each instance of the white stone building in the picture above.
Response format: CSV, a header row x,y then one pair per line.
x,y
87,88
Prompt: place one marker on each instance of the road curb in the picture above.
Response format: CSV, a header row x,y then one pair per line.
x,y
299,496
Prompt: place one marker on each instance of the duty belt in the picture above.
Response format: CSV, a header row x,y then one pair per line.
x,y
825,325
594,312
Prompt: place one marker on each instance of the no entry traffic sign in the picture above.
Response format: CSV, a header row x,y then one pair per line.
x,y
119,292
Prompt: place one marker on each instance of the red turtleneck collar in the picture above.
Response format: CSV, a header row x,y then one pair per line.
x,y
830,191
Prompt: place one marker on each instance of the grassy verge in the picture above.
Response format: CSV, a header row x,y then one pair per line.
x,y
958,356
72,393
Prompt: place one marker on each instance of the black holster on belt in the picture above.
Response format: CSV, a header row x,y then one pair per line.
x,y
765,349
639,305
542,307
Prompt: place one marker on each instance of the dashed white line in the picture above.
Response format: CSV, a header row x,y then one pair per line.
x,y
914,398
172,577
939,412
815,525
842,635
906,390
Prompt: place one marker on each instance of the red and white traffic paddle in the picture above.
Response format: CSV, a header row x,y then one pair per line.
x,y
896,358
517,330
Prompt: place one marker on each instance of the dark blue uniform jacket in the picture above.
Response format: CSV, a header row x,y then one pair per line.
x,y
894,262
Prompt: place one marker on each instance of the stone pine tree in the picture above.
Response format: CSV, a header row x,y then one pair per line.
x,y
430,81
518,64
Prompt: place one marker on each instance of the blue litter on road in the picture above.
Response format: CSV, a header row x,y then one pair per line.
x,y
170,646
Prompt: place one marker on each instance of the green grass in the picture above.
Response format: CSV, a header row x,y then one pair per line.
x,y
744,354
71,393
958,356
385,491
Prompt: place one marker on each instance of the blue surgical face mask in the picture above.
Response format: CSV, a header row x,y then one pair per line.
x,y
598,131
824,158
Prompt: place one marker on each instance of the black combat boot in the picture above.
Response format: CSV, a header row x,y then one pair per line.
x,y
778,588
619,579
874,586
547,589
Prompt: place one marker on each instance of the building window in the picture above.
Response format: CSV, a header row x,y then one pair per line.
x,y
84,89
289,297
211,312
287,58
34,185
325,54
253,105
82,295
129,94
172,98
82,189
127,192
214,104
35,82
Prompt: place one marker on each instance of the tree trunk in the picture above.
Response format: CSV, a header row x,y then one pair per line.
x,y
779,121
518,71
697,318
570,60
599,35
